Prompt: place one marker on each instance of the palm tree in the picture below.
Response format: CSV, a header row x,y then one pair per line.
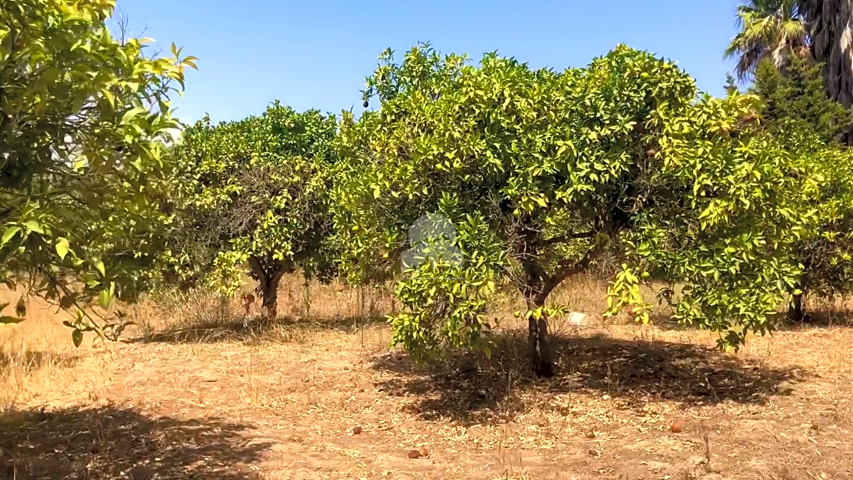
x,y
830,26
772,29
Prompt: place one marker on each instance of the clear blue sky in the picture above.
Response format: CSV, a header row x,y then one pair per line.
x,y
316,54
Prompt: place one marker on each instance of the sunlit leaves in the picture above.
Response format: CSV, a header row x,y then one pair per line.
x,y
255,189
545,161
558,166
85,118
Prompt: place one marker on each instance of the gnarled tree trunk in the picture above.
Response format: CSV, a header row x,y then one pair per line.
x,y
538,285
268,285
270,296
539,342
796,310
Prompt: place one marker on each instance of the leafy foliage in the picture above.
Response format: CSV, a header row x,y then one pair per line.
x,y
539,171
734,206
795,99
798,111
255,192
771,30
85,118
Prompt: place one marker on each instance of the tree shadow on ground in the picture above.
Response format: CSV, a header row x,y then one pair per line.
x,y
115,443
467,387
239,330
824,317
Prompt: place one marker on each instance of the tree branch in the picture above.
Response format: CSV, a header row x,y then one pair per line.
x,y
258,269
565,269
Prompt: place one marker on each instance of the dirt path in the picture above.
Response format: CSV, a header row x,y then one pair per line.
x,y
236,409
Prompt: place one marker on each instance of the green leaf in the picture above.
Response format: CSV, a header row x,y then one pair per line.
x,y
100,266
7,320
77,337
131,114
8,234
62,247
34,226
104,298
109,96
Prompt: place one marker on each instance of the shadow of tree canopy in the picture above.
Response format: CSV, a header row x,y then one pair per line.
x,y
116,443
247,331
821,317
467,387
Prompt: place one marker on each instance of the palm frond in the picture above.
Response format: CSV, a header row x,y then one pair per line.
x,y
771,29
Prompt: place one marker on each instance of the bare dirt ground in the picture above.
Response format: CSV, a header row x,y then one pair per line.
x,y
326,399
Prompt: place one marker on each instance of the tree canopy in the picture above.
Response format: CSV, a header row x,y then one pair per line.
x,y
254,192
795,99
85,118
797,110
771,30
538,170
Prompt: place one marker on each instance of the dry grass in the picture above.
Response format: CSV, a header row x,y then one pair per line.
x,y
38,362
293,391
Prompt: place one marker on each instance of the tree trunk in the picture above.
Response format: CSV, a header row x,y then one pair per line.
x,y
539,343
796,313
831,29
269,287
270,298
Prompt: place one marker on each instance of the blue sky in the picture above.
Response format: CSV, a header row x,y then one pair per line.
x,y
316,54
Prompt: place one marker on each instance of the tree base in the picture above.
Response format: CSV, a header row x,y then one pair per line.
x,y
544,370
541,355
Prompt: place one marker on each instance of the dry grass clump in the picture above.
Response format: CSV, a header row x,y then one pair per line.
x,y
38,362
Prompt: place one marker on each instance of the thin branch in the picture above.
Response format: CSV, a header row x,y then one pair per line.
x,y
566,269
258,269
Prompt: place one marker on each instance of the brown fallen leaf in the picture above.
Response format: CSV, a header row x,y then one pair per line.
x,y
414,454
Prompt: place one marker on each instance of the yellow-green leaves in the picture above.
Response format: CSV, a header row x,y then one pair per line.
x,y
264,181
8,234
62,247
99,265
34,226
118,95
624,291
544,162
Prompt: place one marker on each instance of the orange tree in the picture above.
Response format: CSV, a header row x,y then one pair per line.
x,y
539,171
254,193
796,108
84,119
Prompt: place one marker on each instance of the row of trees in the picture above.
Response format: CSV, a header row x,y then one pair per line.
x,y
744,201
